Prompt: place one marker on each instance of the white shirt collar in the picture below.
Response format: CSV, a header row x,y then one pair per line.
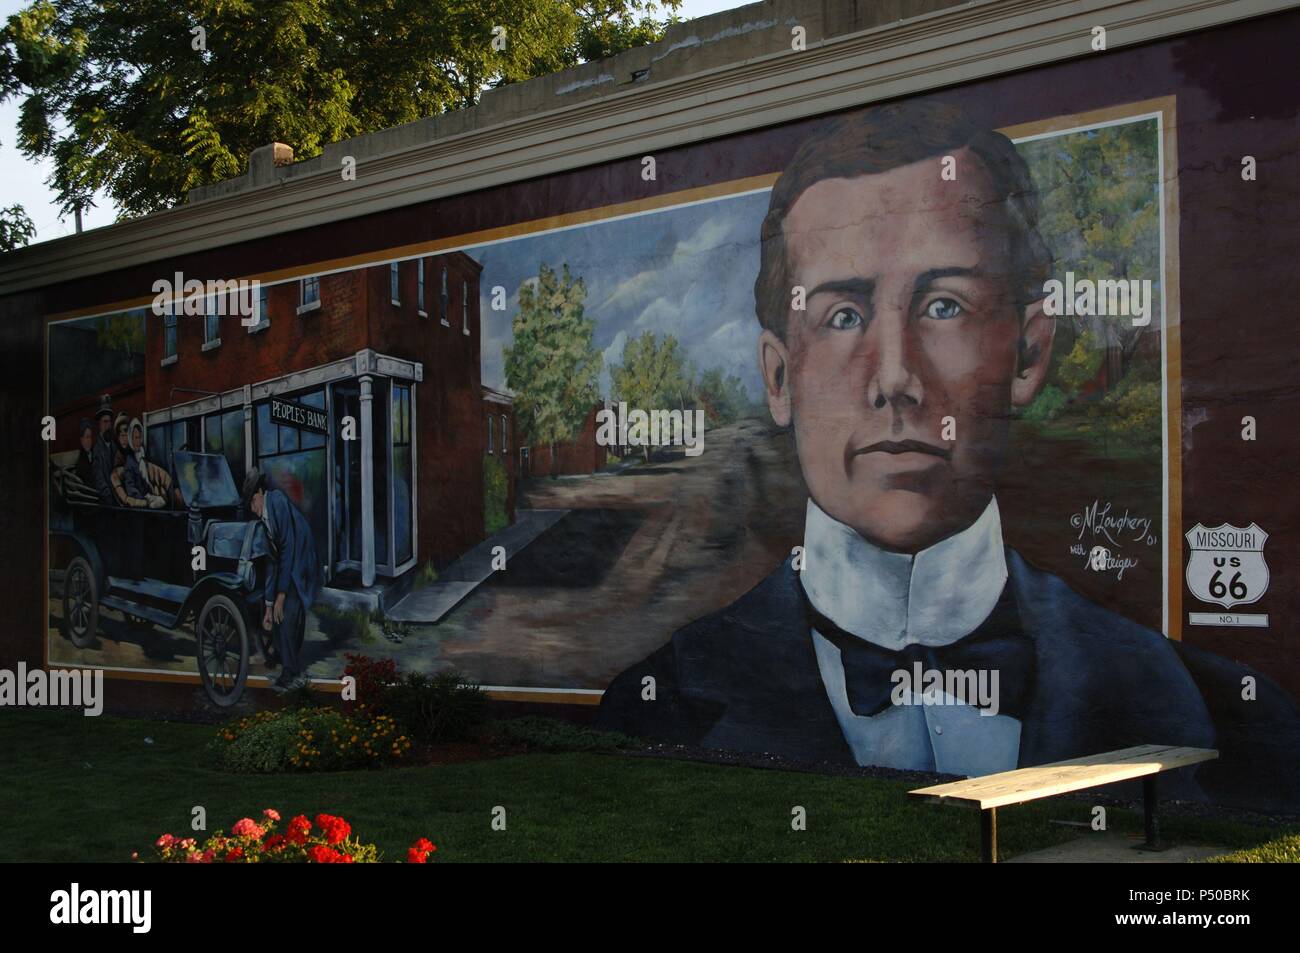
x,y
933,597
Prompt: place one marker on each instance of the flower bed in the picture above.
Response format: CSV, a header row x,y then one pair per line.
x,y
329,841
311,739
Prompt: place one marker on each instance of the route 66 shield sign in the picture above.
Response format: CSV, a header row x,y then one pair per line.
x,y
1227,564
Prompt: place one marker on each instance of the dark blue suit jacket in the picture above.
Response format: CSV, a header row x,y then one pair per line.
x,y
294,559
746,678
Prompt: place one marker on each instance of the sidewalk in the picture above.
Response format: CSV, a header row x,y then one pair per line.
x,y
1114,848
432,602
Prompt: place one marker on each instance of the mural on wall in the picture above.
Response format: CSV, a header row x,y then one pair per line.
x,y
867,463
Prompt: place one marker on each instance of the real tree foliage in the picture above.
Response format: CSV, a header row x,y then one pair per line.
x,y
124,98
16,227
553,366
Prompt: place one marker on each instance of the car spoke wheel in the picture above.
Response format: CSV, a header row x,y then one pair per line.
x,y
222,650
80,603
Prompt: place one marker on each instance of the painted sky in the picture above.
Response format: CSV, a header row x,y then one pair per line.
x,y
687,271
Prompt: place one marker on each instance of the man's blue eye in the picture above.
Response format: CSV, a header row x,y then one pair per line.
x,y
943,309
845,319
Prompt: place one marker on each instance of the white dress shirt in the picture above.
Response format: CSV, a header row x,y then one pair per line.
x,y
893,600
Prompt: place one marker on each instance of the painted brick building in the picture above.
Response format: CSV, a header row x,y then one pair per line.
x,y
580,455
498,447
357,392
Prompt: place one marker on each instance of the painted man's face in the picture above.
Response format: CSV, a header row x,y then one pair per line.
x,y
87,439
910,320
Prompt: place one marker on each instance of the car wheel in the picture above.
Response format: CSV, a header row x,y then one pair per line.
x,y
80,603
223,650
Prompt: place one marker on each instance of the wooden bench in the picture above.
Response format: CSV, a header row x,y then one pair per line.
x,y
993,791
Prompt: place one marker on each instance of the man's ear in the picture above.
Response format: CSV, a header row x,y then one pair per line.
x,y
774,363
1035,354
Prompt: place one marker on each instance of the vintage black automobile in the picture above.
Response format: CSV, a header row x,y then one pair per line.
x,y
196,560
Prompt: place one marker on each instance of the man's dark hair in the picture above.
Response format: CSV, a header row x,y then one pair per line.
x,y
254,480
889,137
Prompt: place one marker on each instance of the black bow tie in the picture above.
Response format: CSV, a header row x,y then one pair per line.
x,y
997,644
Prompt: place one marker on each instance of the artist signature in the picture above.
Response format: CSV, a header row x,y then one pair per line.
x,y
1114,527
1101,521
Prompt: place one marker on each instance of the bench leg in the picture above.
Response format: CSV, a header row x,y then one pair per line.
x,y
989,835
1150,801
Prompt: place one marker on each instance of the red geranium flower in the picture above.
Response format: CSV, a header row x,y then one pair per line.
x,y
321,854
336,829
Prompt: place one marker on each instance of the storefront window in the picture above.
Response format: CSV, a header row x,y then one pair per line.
x,y
223,433
294,460
164,439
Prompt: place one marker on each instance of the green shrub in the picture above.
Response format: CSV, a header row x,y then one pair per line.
x,y
310,739
496,490
552,734
434,708
344,625
1048,405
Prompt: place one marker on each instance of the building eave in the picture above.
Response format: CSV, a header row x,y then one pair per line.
x,y
945,48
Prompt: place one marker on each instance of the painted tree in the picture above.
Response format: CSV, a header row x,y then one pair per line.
x,y
553,365
123,332
724,399
1100,215
654,375
147,99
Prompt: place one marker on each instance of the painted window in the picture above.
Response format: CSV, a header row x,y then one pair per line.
x,y
505,429
464,306
211,322
296,462
442,298
392,283
223,433
309,290
419,286
489,434
169,335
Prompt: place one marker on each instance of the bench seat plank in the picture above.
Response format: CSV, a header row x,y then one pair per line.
x,y
1061,777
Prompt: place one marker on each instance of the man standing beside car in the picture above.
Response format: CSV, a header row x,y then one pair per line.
x,y
294,574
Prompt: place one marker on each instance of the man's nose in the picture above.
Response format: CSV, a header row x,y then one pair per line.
x,y
895,379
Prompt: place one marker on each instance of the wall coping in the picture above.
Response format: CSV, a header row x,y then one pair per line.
x,y
948,47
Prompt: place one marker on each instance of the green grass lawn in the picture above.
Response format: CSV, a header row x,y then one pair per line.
x,y
93,789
